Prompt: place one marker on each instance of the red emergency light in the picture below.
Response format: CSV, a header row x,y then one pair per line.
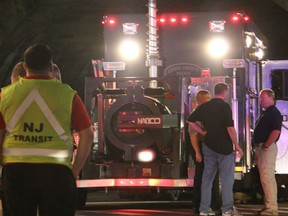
x,y
235,18
162,20
109,20
246,18
173,20
184,19
238,17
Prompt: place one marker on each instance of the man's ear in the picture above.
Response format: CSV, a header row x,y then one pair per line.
x,y
25,66
51,67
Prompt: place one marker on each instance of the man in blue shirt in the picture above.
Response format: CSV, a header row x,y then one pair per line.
x,y
266,134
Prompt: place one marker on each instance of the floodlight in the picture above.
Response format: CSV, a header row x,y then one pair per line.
x,y
218,47
129,49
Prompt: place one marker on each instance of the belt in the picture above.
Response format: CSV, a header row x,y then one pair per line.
x,y
258,144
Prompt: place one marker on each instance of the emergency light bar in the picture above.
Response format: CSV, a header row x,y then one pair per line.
x,y
179,19
173,19
134,183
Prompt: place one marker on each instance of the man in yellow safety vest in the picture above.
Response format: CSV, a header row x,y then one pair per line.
x,y
37,114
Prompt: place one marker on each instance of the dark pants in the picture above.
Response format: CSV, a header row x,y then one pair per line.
x,y
46,188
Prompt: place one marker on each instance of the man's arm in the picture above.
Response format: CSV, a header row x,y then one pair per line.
x,y
197,128
233,136
271,138
84,147
195,145
2,135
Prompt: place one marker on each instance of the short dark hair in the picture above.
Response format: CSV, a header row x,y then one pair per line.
x,y
220,88
38,57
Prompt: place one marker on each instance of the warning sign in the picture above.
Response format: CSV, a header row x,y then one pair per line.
x,y
234,63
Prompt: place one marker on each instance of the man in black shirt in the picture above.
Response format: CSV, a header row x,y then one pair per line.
x,y
266,134
218,150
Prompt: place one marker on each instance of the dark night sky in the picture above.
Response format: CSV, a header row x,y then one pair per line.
x,y
73,29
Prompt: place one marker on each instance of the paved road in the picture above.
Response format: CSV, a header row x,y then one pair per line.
x,y
94,207
157,209
100,203
160,209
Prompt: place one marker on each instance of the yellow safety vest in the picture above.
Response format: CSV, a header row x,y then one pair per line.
x,y
37,114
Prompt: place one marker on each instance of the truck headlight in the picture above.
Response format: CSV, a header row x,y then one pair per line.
x,y
146,155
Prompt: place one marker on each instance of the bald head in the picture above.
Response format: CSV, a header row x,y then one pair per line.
x,y
267,98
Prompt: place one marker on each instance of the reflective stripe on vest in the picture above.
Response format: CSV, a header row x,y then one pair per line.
x,y
34,96
35,152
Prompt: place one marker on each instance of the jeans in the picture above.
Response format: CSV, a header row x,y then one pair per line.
x,y
199,168
266,162
212,162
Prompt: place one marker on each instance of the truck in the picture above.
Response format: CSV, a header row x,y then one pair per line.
x,y
144,88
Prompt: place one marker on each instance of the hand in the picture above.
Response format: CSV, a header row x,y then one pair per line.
x,y
239,150
75,173
199,157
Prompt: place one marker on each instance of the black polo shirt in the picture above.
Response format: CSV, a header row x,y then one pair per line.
x,y
216,116
271,119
